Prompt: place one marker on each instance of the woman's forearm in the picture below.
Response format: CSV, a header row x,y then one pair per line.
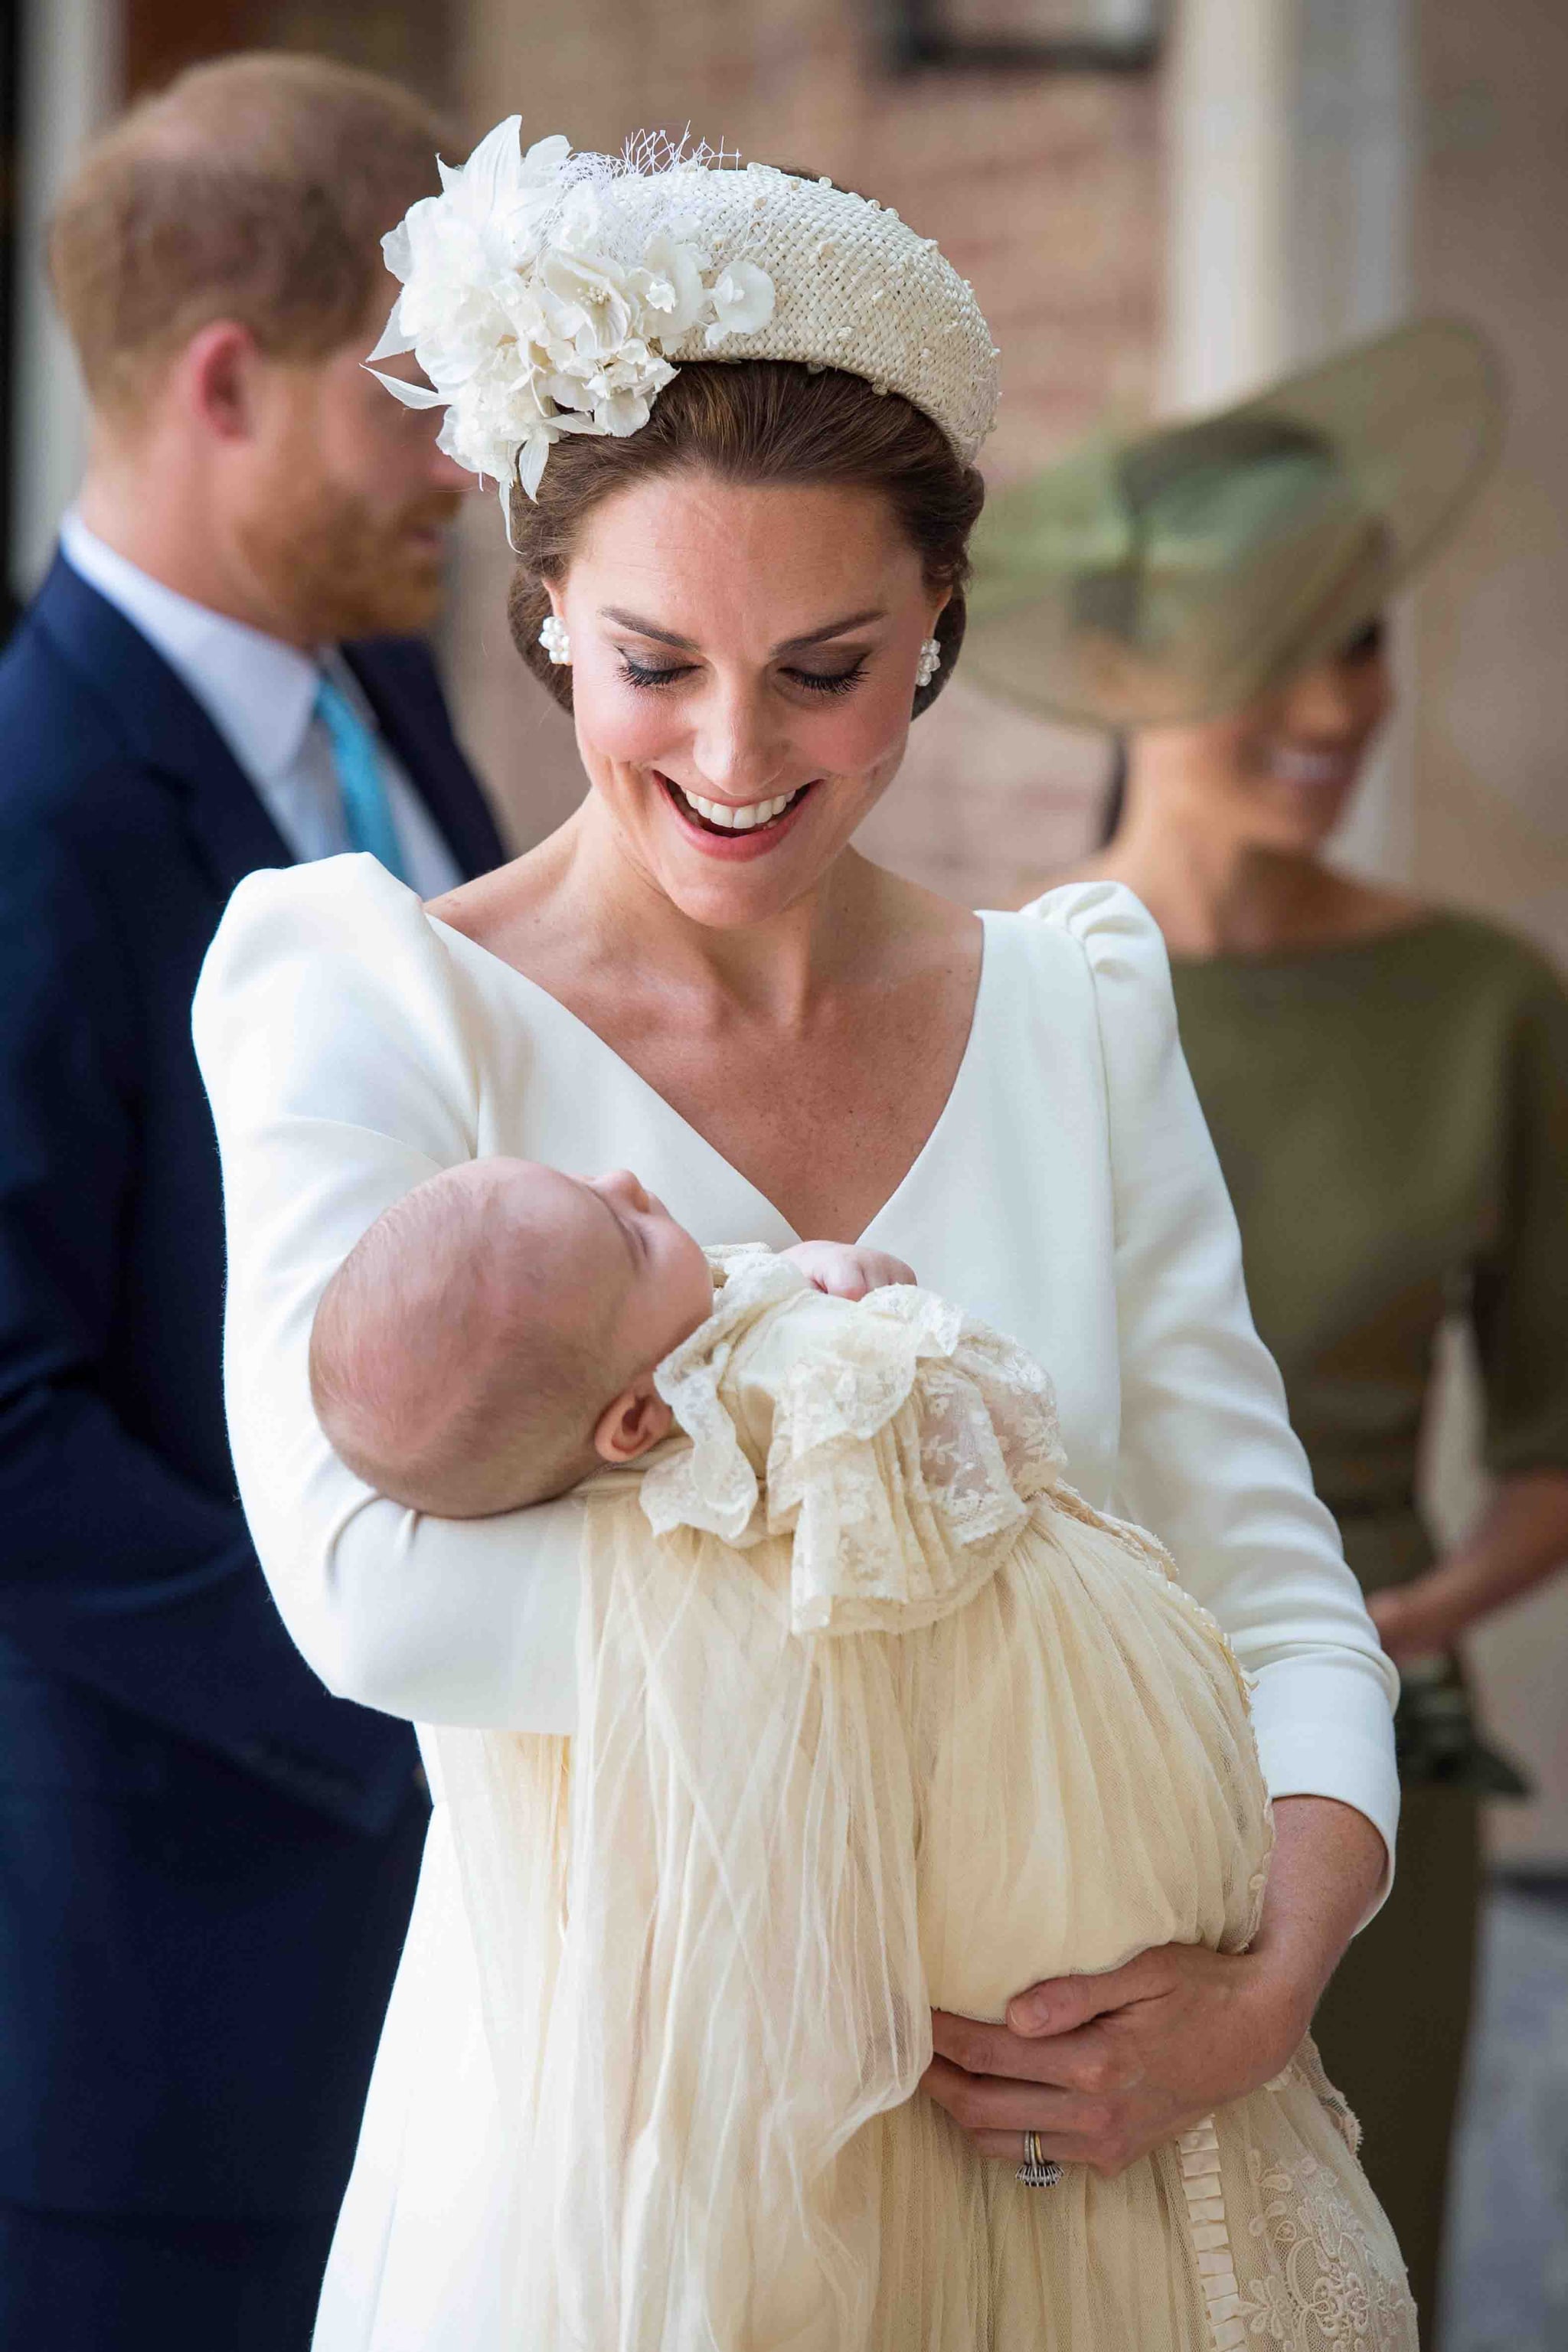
x,y
1328,1865
1519,1539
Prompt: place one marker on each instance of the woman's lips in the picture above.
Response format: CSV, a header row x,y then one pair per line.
x,y
740,842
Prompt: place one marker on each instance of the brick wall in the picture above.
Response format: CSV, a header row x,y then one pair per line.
x,y
1043,190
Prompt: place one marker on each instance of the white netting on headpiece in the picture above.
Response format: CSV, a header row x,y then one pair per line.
x,y
546,292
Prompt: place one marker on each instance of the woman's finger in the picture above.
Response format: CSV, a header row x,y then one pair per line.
x,y
986,2103
1091,2060
982,2049
1009,2148
1061,2004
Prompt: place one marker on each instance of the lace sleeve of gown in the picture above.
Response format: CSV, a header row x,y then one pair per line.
x,y
332,1039
1208,1458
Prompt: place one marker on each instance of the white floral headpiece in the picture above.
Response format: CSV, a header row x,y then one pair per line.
x,y
548,292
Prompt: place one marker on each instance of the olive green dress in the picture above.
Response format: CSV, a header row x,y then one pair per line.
x,y
1392,1117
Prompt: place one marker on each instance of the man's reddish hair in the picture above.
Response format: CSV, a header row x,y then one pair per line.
x,y
256,189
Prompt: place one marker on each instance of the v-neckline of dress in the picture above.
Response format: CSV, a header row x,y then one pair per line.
x,y
970,1055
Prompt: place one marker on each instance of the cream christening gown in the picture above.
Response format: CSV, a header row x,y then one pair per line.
x,y
1069,1196
875,1714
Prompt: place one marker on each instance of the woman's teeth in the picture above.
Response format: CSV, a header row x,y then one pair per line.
x,y
731,819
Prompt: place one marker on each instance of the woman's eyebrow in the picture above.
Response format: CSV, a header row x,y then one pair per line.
x,y
639,628
832,629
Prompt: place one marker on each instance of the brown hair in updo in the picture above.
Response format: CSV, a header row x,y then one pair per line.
x,y
756,423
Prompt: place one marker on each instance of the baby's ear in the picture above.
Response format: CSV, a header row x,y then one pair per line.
x,y
638,1419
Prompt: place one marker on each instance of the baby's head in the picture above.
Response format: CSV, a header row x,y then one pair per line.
x,y
495,1334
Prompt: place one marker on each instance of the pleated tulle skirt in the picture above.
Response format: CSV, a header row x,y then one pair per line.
x,y
712,1927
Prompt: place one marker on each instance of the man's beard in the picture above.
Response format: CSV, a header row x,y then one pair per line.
x,y
340,569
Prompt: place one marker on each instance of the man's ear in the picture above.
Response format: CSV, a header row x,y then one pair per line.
x,y
218,372
638,1419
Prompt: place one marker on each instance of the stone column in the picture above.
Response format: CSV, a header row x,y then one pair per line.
x,y
1227,145
71,82
1289,234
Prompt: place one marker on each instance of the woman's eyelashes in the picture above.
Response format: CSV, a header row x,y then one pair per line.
x,y
830,681
652,677
642,673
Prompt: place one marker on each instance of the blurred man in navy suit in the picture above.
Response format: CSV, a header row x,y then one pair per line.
x,y
206,1863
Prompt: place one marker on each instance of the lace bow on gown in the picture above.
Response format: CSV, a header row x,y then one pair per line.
x,y
875,1714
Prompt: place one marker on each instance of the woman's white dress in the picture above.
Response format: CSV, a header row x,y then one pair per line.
x,y
1069,1196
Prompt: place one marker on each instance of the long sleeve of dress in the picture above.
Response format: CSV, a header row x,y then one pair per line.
x,y
1208,1459
1520,1299
335,1059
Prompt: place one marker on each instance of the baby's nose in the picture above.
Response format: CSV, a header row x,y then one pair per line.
x,y
622,1185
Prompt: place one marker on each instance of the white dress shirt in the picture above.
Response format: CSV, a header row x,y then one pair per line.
x,y
261,695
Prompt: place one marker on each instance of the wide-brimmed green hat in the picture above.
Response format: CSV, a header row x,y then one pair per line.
x,y
1179,575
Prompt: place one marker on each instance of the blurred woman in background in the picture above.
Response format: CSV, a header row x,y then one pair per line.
x,y
1386,1082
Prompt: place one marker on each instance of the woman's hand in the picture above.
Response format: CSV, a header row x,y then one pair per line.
x,y
1521,1539
1104,2068
1422,1619
845,1269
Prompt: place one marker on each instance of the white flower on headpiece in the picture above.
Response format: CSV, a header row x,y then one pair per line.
x,y
670,283
527,326
625,388
743,301
587,303
455,250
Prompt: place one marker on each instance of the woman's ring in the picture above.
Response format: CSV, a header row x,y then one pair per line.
x,y
1037,2170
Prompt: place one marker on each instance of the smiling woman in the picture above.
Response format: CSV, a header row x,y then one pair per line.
x,y
743,655
744,650
739,414
790,661
760,495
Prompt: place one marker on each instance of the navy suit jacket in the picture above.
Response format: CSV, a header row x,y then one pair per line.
x,y
206,1861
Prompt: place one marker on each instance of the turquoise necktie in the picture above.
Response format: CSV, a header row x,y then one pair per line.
x,y
366,810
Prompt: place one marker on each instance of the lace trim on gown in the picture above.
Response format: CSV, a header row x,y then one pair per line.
x,y
712,1485
1210,2234
904,1450
1312,2270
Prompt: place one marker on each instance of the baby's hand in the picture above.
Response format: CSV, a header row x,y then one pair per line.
x,y
846,1269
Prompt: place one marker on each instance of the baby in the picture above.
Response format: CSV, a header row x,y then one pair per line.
x,y
874,1715
493,1337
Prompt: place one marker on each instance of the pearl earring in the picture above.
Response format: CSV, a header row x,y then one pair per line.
x,y
929,663
553,637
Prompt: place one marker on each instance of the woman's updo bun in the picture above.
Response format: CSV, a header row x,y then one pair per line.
x,y
756,423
